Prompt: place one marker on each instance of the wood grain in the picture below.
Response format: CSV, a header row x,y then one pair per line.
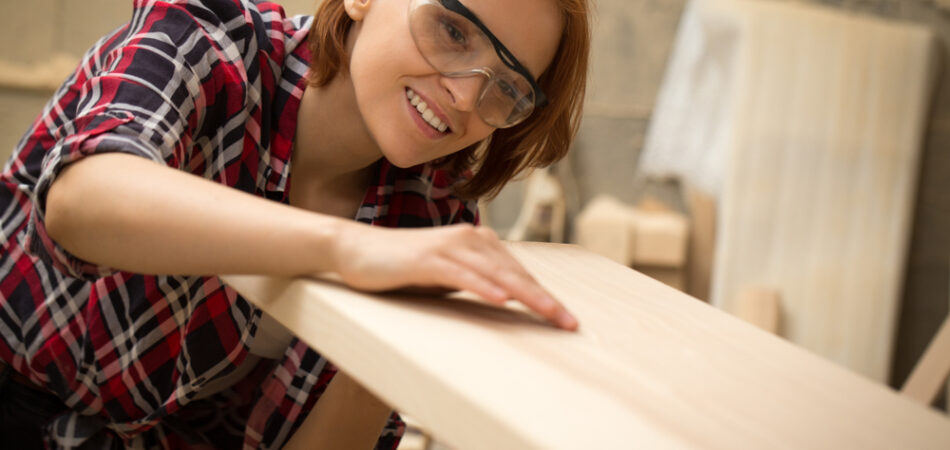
x,y
650,367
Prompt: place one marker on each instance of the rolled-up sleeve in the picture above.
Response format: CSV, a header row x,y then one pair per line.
x,y
144,90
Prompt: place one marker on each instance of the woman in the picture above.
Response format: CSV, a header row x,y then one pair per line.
x,y
114,331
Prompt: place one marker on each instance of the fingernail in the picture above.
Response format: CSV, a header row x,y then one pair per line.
x,y
566,320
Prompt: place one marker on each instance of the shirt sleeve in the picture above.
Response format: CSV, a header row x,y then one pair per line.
x,y
148,90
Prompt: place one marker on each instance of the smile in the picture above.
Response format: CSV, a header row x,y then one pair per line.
x,y
427,114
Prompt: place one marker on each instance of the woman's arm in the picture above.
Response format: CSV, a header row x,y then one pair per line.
x,y
132,214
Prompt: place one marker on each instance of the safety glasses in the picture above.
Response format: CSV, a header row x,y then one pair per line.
x,y
457,44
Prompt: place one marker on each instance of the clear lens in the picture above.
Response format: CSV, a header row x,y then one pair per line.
x,y
506,100
454,46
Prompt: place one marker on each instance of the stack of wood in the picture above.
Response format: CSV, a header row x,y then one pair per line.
x,y
654,237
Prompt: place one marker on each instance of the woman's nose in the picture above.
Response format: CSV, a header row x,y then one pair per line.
x,y
464,91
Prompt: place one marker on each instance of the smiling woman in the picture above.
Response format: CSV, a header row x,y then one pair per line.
x,y
219,136
545,136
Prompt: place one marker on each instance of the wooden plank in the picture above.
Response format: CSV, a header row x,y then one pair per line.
x,y
650,367
932,370
818,199
821,140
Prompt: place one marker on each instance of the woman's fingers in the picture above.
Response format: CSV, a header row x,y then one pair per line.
x,y
499,268
445,272
457,256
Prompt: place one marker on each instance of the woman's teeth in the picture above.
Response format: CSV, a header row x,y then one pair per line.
x,y
426,113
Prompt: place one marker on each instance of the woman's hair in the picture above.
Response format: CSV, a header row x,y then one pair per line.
x,y
542,139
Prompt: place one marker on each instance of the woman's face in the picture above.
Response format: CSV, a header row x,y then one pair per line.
x,y
387,70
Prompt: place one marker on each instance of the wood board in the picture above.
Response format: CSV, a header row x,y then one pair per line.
x,y
823,164
650,367
932,370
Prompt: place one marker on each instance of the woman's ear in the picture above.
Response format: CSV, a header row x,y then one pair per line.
x,y
356,9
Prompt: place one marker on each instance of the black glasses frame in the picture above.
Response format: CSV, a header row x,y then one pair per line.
x,y
540,100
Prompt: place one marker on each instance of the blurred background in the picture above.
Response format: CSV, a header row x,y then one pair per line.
x,y
669,76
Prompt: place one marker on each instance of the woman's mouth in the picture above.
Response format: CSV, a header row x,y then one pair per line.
x,y
425,113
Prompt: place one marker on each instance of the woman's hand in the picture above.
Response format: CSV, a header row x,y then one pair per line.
x,y
456,257
131,214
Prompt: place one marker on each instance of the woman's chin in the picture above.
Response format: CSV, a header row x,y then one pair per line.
x,y
406,159
403,163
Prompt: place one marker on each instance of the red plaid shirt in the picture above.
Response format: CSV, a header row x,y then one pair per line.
x,y
208,87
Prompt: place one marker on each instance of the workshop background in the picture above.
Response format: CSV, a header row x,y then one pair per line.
x,y
632,43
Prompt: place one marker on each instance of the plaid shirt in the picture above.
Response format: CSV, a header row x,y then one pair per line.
x,y
212,88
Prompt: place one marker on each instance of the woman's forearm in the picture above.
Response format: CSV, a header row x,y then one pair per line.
x,y
129,213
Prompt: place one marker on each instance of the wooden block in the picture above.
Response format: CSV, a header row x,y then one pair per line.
x,y
761,307
650,367
631,236
931,371
660,239
607,227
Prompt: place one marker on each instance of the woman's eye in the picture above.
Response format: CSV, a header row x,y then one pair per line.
x,y
508,90
453,33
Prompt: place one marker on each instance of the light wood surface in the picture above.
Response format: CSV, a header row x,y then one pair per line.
x,y
822,176
650,367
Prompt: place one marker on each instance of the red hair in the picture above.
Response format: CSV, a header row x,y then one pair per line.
x,y
542,139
